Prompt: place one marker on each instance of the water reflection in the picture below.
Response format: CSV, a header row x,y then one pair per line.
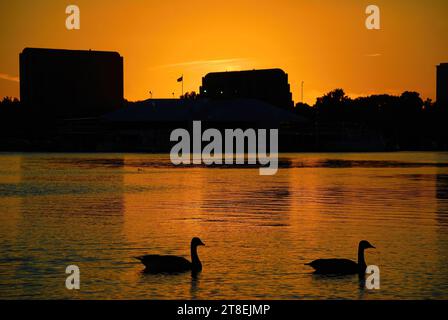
x,y
195,283
59,224
442,219
99,211
442,186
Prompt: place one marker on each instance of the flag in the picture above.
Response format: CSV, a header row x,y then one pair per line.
x,y
180,79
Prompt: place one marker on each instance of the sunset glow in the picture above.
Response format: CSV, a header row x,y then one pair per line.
x,y
323,43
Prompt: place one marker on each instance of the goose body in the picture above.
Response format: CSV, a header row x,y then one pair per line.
x,y
334,266
155,263
342,266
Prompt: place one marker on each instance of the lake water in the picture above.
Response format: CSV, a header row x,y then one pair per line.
x,y
97,211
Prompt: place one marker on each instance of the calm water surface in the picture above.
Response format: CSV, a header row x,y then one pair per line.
x,y
99,210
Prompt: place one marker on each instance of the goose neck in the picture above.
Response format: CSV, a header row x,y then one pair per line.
x,y
361,260
194,256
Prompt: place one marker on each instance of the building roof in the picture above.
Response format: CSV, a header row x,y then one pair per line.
x,y
246,72
226,111
47,51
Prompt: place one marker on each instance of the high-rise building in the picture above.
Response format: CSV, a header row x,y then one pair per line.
x,y
270,85
71,83
442,84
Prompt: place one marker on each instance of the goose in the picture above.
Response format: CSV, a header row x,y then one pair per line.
x,y
155,263
342,266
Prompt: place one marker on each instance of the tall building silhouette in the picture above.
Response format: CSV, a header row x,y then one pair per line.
x,y
71,83
269,85
442,84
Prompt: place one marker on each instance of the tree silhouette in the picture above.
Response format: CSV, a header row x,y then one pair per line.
x,y
190,96
9,102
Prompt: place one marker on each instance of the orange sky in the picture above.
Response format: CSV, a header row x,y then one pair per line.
x,y
323,43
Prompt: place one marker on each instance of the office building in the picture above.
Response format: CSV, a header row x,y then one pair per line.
x,y
269,85
71,83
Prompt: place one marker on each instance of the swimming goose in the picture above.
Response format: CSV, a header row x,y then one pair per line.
x,y
342,266
173,264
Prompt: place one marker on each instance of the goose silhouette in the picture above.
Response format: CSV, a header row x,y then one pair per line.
x,y
155,263
342,266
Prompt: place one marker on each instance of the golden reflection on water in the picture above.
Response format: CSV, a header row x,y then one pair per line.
x,y
100,210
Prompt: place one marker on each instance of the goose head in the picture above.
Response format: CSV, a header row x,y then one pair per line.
x,y
195,242
364,244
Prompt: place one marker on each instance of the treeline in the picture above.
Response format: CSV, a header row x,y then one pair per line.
x,y
8,102
336,105
405,121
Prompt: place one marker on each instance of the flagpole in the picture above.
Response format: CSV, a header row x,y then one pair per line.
x,y
302,90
